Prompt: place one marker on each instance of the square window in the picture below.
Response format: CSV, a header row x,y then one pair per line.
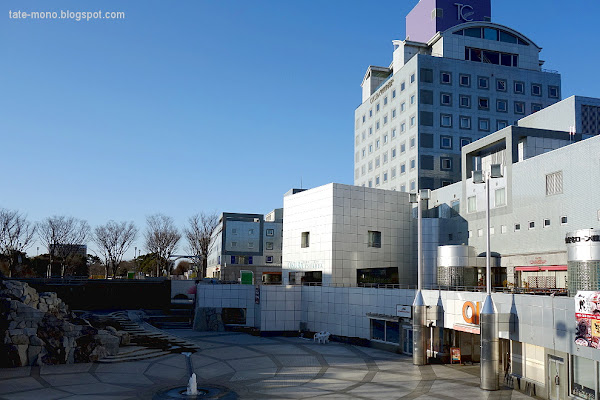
x,y
501,85
517,227
483,82
234,231
269,259
305,239
519,87
446,99
446,142
402,86
536,89
501,124
446,78
464,142
374,239
250,231
563,220
464,101
531,225
465,80
269,245
270,232
446,164
553,92
502,105
446,120
484,124
465,122
535,107
546,223
233,244
519,107
483,103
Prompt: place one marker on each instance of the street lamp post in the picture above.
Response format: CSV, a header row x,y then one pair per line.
x,y
488,317
419,307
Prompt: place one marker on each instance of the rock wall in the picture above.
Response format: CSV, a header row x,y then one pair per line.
x,y
37,329
209,319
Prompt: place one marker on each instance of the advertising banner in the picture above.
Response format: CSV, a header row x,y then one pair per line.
x,y
587,317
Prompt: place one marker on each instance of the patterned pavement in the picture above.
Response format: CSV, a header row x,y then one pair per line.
x,y
256,368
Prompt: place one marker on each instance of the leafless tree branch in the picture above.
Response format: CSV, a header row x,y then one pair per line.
x,y
161,238
62,235
16,235
199,235
113,241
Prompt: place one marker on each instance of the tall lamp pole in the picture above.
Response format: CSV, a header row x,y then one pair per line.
x,y
419,307
488,317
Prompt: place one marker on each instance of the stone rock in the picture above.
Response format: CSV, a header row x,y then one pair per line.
x,y
43,307
111,329
20,340
35,341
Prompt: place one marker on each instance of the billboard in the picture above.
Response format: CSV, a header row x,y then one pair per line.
x,y
587,319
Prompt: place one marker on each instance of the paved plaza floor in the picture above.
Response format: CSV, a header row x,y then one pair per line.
x,y
256,368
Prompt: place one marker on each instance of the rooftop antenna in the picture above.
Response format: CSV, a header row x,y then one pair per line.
x,y
300,182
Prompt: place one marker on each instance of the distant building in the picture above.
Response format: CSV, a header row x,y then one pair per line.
x,y
456,78
249,242
63,250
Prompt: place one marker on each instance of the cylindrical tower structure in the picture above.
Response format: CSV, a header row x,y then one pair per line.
x,y
490,346
583,260
457,265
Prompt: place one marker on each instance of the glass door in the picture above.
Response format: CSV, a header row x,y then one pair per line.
x,y
407,344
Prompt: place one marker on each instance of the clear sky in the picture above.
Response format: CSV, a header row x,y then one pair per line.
x,y
189,106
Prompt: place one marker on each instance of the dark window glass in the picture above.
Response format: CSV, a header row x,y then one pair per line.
x,y
473,32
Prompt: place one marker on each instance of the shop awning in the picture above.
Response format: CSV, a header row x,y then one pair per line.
x,y
542,268
474,329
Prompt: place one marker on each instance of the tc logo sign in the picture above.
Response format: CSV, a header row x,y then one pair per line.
x,y
470,312
465,12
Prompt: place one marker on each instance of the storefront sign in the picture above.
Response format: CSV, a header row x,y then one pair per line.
x,y
579,239
537,261
310,265
470,312
382,90
465,12
587,317
403,311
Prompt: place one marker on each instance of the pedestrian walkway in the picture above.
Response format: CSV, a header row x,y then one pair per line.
x,y
256,368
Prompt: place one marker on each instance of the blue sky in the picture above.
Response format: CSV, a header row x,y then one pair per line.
x,y
189,106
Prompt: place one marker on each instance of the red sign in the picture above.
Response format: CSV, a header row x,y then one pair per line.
x,y
537,261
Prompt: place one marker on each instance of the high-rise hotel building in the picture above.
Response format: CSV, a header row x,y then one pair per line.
x,y
455,78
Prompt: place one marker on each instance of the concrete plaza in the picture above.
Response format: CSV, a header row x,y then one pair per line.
x,y
255,368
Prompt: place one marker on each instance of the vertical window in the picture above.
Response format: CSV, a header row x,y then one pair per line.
x,y
553,92
519,107
393,172
412,142
446,142
403,148
393,133
374,239
412,164
393,153
554,183
483,103
446,120
377,181
412,99
536,89
394,94
531,224
412,78
445,163
471,204
385,100
412,121
377,107
546,223
483,82
519,87
305,239
563,220
501,85
500,197
385,177
413,185
446,78
465,80
402,86
464,101
403,106
465,122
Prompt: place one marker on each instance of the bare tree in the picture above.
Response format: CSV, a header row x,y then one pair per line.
x,y
63,236
16,234
161,238
113,241
199,235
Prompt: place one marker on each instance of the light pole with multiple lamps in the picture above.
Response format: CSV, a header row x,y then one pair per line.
x,y
488,317
419,307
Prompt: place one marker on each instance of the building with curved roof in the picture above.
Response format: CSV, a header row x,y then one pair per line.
x,y
456,78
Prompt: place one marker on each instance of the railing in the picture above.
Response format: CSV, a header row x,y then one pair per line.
x,y
312,283
550,71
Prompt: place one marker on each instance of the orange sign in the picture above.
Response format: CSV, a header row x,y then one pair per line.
x,y
470,312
